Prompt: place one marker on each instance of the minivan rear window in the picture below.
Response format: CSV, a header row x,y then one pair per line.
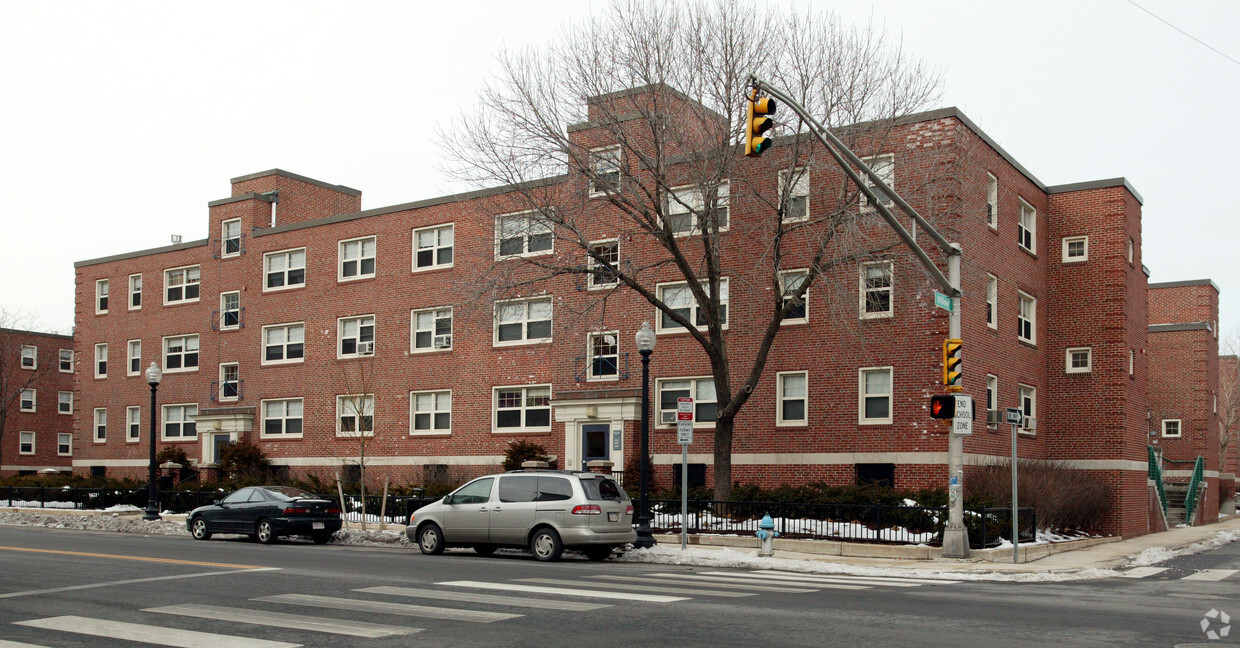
x,y
517,488
603,489
554,489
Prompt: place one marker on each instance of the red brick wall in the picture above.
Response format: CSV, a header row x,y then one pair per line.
x,y
48,381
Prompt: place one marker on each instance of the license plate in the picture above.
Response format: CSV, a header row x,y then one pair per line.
x,y
613,517
316,525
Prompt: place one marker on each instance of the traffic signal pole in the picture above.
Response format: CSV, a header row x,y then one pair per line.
x,y
955,536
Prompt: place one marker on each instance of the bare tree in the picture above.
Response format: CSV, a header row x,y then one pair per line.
x,y
13,377
355,424
1228,398
651,159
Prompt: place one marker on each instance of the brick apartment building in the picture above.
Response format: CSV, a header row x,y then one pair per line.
x,y
302,321
36,380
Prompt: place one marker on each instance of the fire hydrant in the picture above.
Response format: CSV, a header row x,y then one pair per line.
x,y
767,534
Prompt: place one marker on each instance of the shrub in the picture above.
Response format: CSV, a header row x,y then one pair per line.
x,y
244,462
175,454
1063,497
522,450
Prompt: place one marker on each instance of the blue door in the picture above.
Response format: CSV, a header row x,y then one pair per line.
x,y
594,442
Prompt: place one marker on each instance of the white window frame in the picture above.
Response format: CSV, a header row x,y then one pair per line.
x,y
60,402
992,301
99,429
22,400
130,356
725,300
102,292
591,355
992,201
524,409
1179,428
185,351
351,401
992,396
222,371
862,394
360,321
21,443
133,424
224,310
135,290
284,419
436,248
695,392
1089,360
1067,244
783,285
781,397
433,413
101,356
61,361
184,420
886,170
1028,410
612,158
524,322
185,284
1027,230
1132,244
1031,317
1132,362
287,328
527,231
436,315
360,259
799,189
865,290
689,200
288,268
31,353
64,440
225,238
592,281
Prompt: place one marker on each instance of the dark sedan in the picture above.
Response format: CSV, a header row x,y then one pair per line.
x,y
266,513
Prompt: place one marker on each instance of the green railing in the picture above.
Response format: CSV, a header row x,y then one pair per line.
x,y
1194,488
1155,474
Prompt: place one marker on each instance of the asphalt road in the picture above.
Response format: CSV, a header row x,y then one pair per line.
x,y
75,588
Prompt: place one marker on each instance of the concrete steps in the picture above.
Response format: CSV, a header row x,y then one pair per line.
x,y
1175,503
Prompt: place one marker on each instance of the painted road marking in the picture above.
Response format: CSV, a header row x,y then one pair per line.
x,y
714,582
171,561
473,597
149,634
382,607
891,579
753,581
72,588
536,589
282,620
14,644
644,588
1142,572
1210,574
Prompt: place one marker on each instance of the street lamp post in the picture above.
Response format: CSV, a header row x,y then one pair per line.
x,y
645,346
153,376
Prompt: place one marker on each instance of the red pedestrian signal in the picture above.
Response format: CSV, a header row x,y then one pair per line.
x,y
943,407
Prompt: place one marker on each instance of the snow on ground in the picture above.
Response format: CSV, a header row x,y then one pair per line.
x,y
1155,555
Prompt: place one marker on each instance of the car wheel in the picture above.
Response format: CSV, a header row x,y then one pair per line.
x,y
198,529
546,546
264,532
598,553
430,540
321,538
484,550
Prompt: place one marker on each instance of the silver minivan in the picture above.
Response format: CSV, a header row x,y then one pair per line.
x,y
546,511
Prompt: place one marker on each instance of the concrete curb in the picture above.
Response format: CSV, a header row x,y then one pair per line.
x,y
897,552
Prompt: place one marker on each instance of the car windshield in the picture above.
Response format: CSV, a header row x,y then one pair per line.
x,y
603,489
287,492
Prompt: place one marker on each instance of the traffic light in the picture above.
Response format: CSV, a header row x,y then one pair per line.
x,y
952,372
943,407
757,123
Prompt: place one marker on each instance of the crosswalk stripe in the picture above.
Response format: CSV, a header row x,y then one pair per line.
x,y
474,597
282,620
645,588
893,579
537,589
1210,574
382,607
755,581
149,634
713,583
1142,572
14,644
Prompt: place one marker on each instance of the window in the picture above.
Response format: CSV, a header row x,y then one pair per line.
x,y
1131,246
523,321
179,422
230,311
430,412
701,390
133,424
181,285
181,353
884,166
523,234
285,269
992,301
876,289
135,292
602,262
357,259
1026,320
1132,362
604,355
679,298
605,163
795,195
523,409
1079,360
791,281
1171,427
135,358
66,361
230,236
992,396
64,444
64,402
101,360
30,357
230,382
432,329
357,336
432,248
1075,249
790,405
282,417
875,393
686,207
1026,229
101,296
1028,407
26,402
101,425
992,202
355,415
283,343
26,443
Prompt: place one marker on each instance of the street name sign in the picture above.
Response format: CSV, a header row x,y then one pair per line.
x,y
942,301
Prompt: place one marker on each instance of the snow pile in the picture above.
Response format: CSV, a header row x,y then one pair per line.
x,y
1155,555
709,523
113,522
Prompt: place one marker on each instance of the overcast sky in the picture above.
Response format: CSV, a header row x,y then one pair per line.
x,y
119,121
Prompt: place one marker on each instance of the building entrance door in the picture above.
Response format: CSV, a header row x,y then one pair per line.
x,y
594,442
218,443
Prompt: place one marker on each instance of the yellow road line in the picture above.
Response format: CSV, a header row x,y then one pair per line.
x,y
140,558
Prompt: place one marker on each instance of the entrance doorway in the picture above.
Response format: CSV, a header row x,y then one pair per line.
x,y
594,442
218,443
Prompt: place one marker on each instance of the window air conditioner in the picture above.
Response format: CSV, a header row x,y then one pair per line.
x,y
365,348
443,342
1030,424
667,417
995,417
